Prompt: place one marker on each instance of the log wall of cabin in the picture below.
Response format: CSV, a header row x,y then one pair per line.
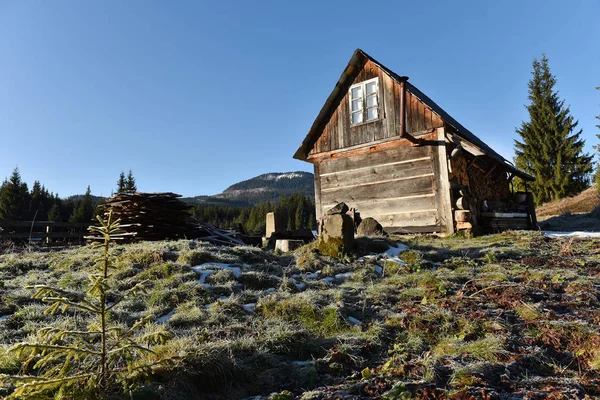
x,y
338,132
395,183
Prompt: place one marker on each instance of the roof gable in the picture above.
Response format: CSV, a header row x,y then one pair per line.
x,y
346,80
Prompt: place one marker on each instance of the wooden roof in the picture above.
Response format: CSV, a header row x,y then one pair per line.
x,y
344,83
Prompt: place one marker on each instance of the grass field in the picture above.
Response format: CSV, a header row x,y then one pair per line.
x,y
513,315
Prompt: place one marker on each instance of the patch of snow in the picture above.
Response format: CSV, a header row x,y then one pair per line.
x,y
329,280
353,321
270,290
394,251
343,276
223,297
396,260
3,317
204,274
250,307
237,271
289,175
575,234
166,317
302,363
299,285
378,269
314,275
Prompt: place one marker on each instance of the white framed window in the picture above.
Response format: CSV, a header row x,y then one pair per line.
x,y
364,101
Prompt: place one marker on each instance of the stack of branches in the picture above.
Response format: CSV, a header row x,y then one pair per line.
x,y
160,216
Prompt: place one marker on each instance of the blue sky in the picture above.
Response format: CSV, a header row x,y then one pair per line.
x,y
195,96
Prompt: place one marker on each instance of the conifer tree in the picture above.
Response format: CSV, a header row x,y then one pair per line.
x,y
121,183
130,182
91,361
84,212
54,213
14,198
550,149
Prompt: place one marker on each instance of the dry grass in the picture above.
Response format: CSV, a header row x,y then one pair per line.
x,y
584,202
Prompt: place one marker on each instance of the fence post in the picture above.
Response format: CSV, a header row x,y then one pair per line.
x,y
48,231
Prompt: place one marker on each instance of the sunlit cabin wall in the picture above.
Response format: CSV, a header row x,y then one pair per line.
x,y
370,168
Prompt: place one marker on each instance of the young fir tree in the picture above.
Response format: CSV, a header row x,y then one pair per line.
x,y
130,182
14,198
91,360
550,149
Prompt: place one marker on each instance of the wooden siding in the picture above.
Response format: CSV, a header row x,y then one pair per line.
x,y
394,185
339,134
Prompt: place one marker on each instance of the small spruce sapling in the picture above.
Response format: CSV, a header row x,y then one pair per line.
x,y
95,359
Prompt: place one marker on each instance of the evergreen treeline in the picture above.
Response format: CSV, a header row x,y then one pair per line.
x,y
297,211
18,203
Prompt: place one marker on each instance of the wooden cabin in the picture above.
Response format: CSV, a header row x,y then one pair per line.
x,y
383,147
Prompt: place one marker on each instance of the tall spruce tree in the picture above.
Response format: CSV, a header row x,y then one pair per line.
x,y
121,183
14,198
550,149
130,182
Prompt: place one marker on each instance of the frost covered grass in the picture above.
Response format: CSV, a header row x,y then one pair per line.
x,y
402,315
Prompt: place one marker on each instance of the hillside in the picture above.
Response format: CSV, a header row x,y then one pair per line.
x,y
506,316
577,213
266,187
584,202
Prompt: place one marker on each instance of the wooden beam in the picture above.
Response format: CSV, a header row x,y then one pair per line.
x,y
443,185
491,170
382,144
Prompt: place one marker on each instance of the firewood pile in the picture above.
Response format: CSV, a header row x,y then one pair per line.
x,y
160,216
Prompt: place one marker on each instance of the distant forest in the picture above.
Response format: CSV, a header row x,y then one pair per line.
x,y
19,203
297,211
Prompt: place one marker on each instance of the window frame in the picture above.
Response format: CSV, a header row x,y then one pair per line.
x,y
363,101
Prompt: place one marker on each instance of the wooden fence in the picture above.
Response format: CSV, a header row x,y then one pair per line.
x,y
42,231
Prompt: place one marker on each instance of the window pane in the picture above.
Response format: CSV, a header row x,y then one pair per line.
x,y
371,100
357,117
371,87
356,105
356,92
371,113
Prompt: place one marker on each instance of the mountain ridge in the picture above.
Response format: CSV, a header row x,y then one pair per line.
x,y
266,187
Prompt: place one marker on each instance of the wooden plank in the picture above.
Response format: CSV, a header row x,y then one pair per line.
x,y
408,219
388,106
399,230
413,123
340,130
387,206
402,203
391,171
367,182
367,159
415,186
318,203
443,185
398,164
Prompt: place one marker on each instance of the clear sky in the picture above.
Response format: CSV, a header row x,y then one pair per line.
x,y
195,96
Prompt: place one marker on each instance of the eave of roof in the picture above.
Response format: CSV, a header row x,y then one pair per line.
x,y
344,83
